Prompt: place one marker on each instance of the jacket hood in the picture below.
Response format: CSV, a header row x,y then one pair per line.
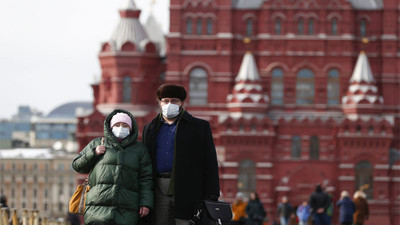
x,y
130,139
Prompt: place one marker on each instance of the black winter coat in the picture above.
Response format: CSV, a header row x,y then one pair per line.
x,y
195,174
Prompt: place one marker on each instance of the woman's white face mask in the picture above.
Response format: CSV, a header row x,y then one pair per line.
x,y
170,110
120,132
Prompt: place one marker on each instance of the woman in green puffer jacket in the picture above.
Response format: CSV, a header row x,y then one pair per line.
x,y
121,182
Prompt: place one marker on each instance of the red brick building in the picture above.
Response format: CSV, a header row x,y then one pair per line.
x,y
297,92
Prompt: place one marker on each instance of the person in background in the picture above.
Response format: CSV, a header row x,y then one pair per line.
x,y
284,211
184,158
362,212
120,179
319,203
347,209
255,210
239,210
303,212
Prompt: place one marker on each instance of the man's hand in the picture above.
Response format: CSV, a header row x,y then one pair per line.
x,y
144,211
320,210
101,149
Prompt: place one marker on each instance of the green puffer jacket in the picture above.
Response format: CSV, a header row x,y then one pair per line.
x,y
120,180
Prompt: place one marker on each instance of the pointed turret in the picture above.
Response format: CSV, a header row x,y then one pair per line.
x,y
247,94
156,34
362,96
129,33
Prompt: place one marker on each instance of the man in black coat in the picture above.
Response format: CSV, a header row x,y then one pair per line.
x,y
184,158
319,203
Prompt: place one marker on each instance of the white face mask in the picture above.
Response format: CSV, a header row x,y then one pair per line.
x,y
170,110
120,132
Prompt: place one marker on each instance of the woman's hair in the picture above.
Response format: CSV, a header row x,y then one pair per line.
x,y
256,196
359,194
344,194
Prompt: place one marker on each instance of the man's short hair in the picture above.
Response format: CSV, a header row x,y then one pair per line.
x,y
171,91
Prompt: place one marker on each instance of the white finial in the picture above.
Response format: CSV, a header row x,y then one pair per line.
x,y
129,4
362,70
248,70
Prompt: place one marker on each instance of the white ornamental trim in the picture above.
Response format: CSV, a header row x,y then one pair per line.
x,y
362,87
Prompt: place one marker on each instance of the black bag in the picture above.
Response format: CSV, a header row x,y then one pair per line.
x,y
212,213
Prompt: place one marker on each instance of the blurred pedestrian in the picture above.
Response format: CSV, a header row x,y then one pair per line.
x,y
121,180
362,211
239,210
347,209
303,212
319,203
255,210
284,211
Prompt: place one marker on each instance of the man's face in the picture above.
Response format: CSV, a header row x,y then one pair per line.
x,y
175,101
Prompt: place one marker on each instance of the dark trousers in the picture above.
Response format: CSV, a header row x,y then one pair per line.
x,y
321,219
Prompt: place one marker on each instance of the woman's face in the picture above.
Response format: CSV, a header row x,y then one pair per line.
x,y
252,196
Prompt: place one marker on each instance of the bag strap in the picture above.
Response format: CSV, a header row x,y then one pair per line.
x,y
83,196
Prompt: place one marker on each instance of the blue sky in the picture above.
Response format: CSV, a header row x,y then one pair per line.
x,y
49,49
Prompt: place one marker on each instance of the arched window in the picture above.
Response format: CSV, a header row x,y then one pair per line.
x,y
296,147
198,87
305,87
249,27
334,26
333,87
277,87
189,26
278,26
127,90
209,26
314,147
247,176
199,26
300,26
364,178
311,26
363,28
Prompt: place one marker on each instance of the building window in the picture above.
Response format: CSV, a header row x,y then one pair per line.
x,y
333,87
247,176
277,87
296,147
198,87
300,26
311,26
364,178
209,26
189,26
249,27
127,90
363,28
199,26
278,26
305,87
314,147
334,26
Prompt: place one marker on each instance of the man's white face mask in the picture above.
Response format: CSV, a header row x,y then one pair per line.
x,y
120,132
170,110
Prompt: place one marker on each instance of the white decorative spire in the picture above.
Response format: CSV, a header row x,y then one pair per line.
x,y
247,94
156,34
362,96
248,70
362,71
129,5
129,28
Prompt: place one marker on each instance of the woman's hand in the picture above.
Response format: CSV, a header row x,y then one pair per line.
x,y
101,149
144,211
